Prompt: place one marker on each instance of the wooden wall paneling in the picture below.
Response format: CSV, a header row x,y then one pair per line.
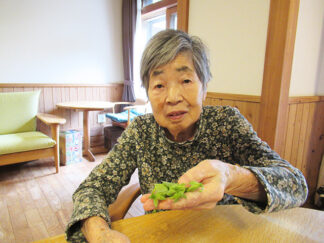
x,y
74,114
303,136
228,103
99,137
241,106
216,101
220,101
41,108
304,99
250,111
249,106
103,94
81,96
116,96
304,145
48,100
96,96
310,122
64,112
109,94
8,90
316,148
209,101
57,98
95,93
296,137
254,110
89,97
18,89
308,163
88,94
49,104
28,88
103,97
93,113
290,132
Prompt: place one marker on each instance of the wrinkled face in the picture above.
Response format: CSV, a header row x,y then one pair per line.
x,y
176,95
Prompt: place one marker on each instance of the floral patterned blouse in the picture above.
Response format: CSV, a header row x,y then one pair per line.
x,y
222,133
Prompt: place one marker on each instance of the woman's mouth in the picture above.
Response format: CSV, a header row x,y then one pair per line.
x,y
176,115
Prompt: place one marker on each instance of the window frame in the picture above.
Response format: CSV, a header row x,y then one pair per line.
x,y
158,8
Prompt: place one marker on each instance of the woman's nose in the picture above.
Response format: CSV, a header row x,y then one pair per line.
x,y
174,95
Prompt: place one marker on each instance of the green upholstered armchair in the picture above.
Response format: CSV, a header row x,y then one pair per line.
x,y
19,139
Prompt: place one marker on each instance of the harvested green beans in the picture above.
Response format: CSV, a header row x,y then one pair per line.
x,y
174,191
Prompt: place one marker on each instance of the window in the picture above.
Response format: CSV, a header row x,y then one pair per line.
x,y
171,18
153,16
157,16
153,25
149,2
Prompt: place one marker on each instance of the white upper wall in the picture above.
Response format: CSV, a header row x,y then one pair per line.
x,y
307,77
61,41
235,32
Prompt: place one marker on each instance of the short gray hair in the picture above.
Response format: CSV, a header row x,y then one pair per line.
x,y
165,46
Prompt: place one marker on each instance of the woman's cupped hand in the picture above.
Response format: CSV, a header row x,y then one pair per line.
x,y
213,174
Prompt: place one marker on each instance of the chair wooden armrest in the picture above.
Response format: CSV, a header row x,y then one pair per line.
x,y
128,108
55,122
50,119
121,103
124,201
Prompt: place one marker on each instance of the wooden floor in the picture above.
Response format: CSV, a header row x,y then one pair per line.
x,y
36,203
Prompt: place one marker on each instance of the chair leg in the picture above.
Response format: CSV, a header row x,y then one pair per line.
x,y
56,159
55,135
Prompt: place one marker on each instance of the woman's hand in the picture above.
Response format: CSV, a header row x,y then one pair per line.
x,y
218,178
96,229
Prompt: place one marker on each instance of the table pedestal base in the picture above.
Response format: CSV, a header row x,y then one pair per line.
x,y
89,155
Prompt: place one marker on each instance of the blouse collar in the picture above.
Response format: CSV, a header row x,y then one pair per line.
x,y
199,127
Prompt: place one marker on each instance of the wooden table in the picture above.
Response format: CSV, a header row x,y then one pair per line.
x,y
86,107
222,224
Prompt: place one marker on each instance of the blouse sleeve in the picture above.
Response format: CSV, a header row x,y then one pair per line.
x,y
284,184
102,186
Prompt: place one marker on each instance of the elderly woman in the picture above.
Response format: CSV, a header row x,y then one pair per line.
x,y
183,141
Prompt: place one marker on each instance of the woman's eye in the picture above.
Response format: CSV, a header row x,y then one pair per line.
x,y
159,86
187,81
